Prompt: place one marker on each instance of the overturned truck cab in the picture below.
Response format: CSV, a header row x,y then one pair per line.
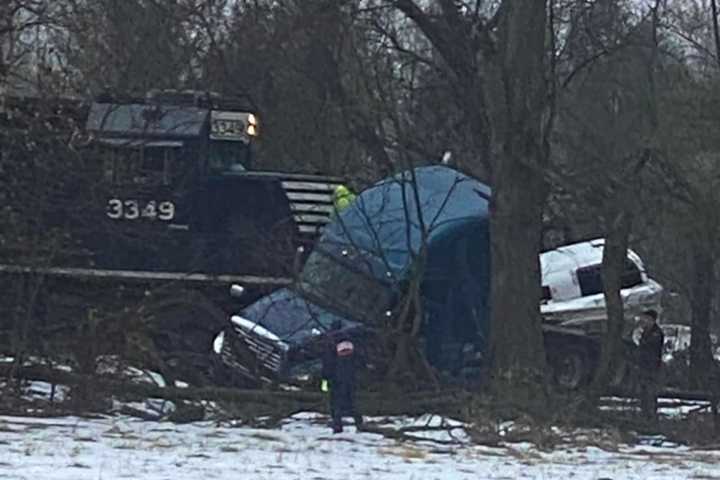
x,y
433,222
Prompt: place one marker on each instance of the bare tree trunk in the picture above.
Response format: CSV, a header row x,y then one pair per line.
x,y
716,29
519,194
701,362
515,269
613,263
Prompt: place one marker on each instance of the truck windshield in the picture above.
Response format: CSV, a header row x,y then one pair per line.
x,y
340,284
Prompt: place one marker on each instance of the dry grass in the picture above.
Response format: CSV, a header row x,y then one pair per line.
x,y
160,445
125,446
121,435
524,456
198,455
266,436
407,452
5,429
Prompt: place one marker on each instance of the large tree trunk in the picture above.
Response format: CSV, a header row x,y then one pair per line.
x,y
510,83
519,194
613,264
517,343
701,362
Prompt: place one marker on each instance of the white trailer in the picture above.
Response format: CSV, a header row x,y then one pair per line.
x,y
573,305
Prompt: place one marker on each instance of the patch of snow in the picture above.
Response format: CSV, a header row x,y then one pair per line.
x,y
303,447
668,407
112,365
37,390
682,408
33,361
505,427
308,416
147,376
150,408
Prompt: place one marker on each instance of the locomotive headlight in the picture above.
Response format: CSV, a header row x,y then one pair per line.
x,y
252,125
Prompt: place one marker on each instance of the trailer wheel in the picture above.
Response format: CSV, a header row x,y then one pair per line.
x,y
225,376
570,368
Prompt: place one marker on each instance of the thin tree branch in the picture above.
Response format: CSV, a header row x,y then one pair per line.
x,y
716,30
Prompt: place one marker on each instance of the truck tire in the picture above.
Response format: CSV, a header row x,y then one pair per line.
x,y
224,376
182,328
570,367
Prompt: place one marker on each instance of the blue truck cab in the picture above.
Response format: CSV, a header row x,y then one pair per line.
x,y
360,268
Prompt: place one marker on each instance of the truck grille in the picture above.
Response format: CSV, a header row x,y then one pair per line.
x,y
267,354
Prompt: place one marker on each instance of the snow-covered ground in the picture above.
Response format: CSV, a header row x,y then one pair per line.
x,y
302,447
71,448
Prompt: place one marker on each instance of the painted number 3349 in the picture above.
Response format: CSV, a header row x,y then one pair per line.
x,y
133,209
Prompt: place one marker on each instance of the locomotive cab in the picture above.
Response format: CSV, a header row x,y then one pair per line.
x,y
177,187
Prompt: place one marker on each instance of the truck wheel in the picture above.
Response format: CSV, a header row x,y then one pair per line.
x,y
570,368
225,376
183,328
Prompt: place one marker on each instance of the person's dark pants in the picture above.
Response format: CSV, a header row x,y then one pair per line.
x,y
342,403
648,386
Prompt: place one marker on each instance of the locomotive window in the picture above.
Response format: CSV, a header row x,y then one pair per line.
x,y
155,165
227,156
145,165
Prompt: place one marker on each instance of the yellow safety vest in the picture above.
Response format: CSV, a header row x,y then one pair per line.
x,y
342,198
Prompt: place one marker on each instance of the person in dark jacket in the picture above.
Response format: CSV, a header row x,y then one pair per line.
x,y
649,362
339,365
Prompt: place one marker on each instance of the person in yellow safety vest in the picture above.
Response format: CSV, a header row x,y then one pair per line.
x,y
342,198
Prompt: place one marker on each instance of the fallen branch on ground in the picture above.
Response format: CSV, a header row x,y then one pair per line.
x,y
270,402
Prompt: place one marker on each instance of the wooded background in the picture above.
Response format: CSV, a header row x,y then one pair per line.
x,y
588,118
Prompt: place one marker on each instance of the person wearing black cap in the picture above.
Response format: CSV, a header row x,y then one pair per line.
x,y
649,362
339,364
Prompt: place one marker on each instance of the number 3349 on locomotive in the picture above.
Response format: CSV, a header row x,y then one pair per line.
x,y
136,209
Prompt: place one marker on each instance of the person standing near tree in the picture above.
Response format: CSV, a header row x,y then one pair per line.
x,y
339,365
